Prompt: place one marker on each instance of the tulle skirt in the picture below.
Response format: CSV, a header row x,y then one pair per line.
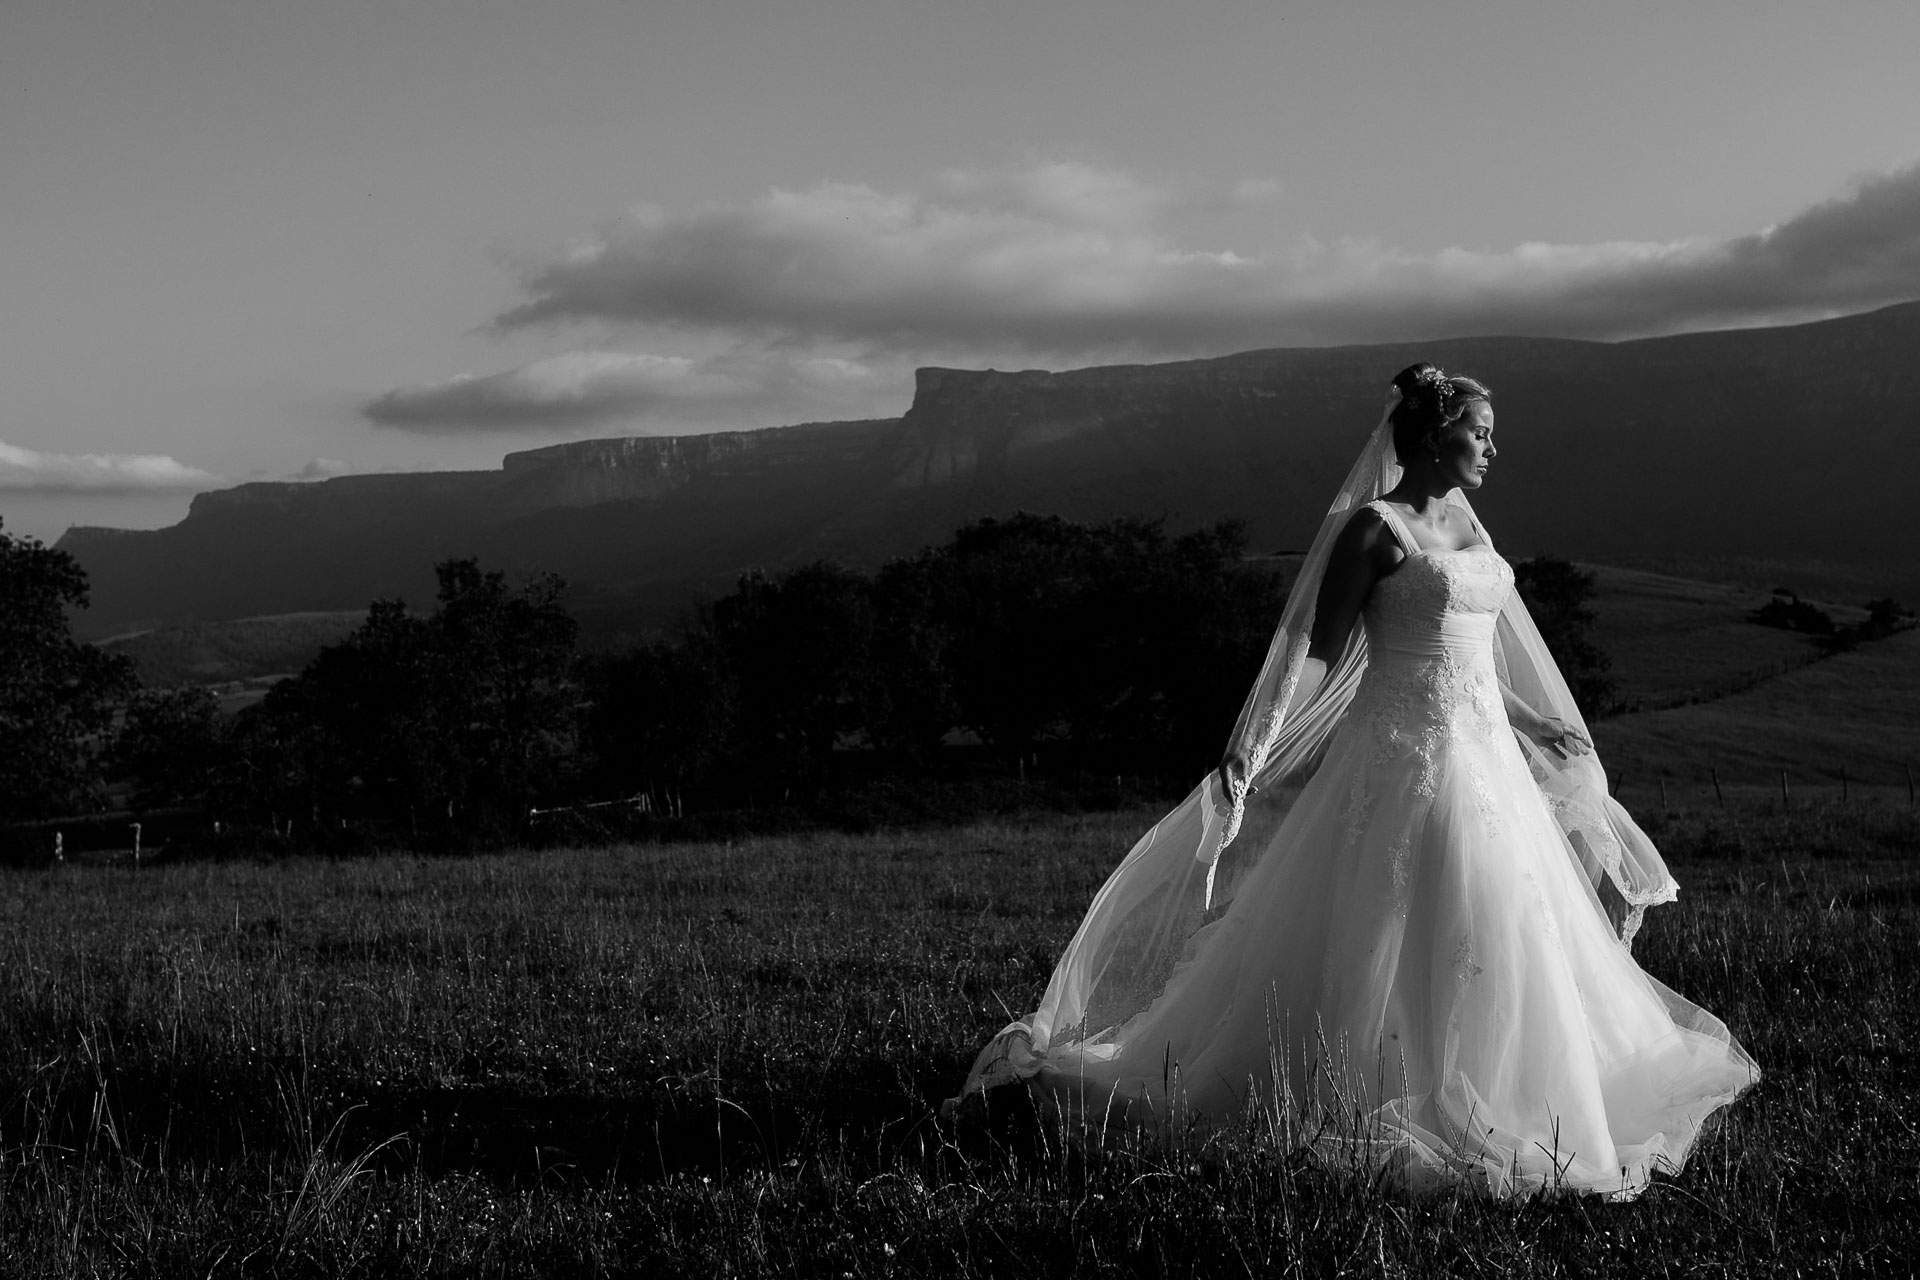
x,y
1416,978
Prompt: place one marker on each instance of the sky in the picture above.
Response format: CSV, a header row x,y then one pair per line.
x,y
291,239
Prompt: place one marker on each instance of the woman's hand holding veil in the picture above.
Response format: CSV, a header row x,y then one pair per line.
x,y
1557,736
1233,773
1553,734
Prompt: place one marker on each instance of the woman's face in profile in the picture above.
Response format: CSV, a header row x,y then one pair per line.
x,y
1468,447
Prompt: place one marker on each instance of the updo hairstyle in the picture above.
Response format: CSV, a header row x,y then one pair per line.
x,y
1430,403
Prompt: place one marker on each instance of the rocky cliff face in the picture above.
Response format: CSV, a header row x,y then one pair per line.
x,y
341,494
1798,441
586,472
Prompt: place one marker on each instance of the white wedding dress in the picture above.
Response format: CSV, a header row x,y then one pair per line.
x,y
1415,972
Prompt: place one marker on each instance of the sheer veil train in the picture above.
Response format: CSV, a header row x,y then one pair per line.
x,y
1179,879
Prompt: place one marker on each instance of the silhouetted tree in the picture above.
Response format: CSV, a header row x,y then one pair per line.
x,y
1559,595
1209,616
797,646
1886,616
57,696
504,668
1123,645
909,704
1791,613
1011,597
173,745
658,714
464,715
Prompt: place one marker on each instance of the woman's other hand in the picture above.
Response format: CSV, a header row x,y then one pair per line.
x,y
1559,737
1233,774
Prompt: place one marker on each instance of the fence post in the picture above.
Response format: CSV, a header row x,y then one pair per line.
x,y
1718,798
1909,786
1785,800
1663,793
136,843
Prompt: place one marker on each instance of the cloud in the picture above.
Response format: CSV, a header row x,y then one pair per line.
x,y
29,470
316,469
1062,260
324,469
822,300
599,388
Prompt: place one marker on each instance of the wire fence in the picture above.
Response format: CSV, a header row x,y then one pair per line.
x,y
1840,783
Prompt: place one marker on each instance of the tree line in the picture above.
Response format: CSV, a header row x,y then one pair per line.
x,y
1020,643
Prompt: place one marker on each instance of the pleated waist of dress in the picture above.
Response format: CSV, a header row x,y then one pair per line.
x,y
1457,635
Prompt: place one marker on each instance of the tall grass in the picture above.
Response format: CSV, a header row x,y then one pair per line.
x,y
727,1059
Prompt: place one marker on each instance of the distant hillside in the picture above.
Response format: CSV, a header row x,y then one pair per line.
x,y
1795,445
1856,711
216,652
1676,639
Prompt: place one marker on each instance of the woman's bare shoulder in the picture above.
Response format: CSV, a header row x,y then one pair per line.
x,y
1364,530
1364,521
1366,539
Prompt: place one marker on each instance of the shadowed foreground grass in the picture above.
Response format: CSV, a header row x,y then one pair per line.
x,y
705,1060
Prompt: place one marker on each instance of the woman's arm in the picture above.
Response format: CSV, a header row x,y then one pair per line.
x,y
1362,553
1551,733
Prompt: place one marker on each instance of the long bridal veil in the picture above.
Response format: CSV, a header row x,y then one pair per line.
x,y
1179,874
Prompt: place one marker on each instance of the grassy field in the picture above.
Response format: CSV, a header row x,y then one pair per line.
x,y
1857,711
726,1059
213,652
1672,638
1823,582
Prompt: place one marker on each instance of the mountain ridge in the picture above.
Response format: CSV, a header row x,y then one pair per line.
x,y
1797,441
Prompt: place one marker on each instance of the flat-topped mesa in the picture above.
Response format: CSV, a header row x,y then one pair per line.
x,y
338,490
1264,436
665,457
937,390
583,472
968,425
935,387
86,537
671,457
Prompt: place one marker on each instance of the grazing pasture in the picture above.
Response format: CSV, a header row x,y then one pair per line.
x,y
1672,639
1858,711
707,1059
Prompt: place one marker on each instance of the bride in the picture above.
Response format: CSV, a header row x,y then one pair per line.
x,y
1395,924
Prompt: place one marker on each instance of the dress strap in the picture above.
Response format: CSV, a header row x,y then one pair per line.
x,y
1393,521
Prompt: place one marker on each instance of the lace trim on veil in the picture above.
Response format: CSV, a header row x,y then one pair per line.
x,y
1142,919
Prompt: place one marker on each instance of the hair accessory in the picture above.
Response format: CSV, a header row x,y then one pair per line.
x,y
1442,385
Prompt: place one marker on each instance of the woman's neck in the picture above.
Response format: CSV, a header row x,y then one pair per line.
x,y
1421,492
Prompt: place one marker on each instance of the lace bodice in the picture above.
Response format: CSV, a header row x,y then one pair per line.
x,y
1429,627
1437,590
